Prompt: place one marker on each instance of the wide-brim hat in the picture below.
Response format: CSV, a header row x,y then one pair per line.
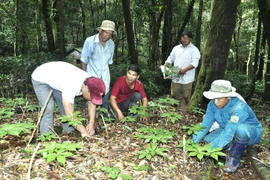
x,y
108,25
220,89
96,88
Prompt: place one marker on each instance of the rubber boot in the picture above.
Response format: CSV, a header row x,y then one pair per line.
x,y
233,158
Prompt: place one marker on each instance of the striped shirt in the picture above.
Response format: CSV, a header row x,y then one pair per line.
x,y
182,57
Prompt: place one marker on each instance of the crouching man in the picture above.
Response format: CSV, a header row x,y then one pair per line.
x,y
128,91
66,81
238,124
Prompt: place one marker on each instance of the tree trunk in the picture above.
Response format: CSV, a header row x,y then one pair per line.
x,y
155,23
83,18
48,25
198,27
167,30
58,19
236,38
262,54
256,59
264,6
186,19
129,31
214,60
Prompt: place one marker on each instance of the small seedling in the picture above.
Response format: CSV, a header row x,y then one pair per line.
x,y
74,120
114,173
154,135
193,129
151,151
55,151
47,137
205,151
139,168
172,116
15,129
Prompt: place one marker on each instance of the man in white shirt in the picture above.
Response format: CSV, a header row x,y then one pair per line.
x,y
66,81
184,57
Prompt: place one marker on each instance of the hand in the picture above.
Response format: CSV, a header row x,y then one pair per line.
x,y
90,129
181,72
120,116
145,119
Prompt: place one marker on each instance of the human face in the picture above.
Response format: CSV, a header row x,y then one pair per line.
x,y
132,76
185,40
104,36
221,102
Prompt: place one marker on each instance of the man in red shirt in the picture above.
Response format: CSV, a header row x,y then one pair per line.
x,y
127,91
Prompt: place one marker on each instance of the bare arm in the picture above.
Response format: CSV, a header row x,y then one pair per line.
x,y
69,110
83,66
184,70
115,107
92,114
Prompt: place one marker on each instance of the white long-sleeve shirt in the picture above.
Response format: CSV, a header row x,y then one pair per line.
x,y
182,57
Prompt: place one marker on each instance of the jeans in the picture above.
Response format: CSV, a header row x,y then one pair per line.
x,y
42,91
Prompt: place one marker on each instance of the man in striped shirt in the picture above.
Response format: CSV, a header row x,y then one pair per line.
x,y
185,58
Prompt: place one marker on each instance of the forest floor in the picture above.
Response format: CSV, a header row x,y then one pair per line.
x,y
118,149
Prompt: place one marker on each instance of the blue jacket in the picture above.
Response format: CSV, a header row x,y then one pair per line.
x,y
234,113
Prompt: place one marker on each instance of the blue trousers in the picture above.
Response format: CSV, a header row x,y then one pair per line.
x,y
245,132
42,91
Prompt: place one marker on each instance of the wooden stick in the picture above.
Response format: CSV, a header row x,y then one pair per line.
x,y
55,133
104,124
40,115
31,162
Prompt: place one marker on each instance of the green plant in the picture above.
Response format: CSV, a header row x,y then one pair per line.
x,y
197,110
128,119
141,111
193,129
74,120
15,129
172,116
55,151
139,168
154,135
6,113
47,137
151,151
168,101
265,136
114,173
204,151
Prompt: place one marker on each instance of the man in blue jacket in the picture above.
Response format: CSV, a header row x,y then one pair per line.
x,y
238,124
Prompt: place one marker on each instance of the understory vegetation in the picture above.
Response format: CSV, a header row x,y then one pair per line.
x,y
130,149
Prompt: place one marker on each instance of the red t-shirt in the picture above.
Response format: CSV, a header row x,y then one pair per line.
x,y
122,91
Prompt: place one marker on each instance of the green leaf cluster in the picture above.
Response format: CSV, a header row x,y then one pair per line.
x,y
193,129
204,151
154,135
74,120
151,151
47,137
15,129
55,151
114,173
172,116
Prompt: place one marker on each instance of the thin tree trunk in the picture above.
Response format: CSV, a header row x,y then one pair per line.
x,y
48,25
214,60
129,31
58,19
83,18
199,25
256,59
262,54
236,36
167,30
186,19
264,6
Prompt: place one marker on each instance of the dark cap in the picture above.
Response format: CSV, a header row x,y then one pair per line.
x,y
96,88
187,32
